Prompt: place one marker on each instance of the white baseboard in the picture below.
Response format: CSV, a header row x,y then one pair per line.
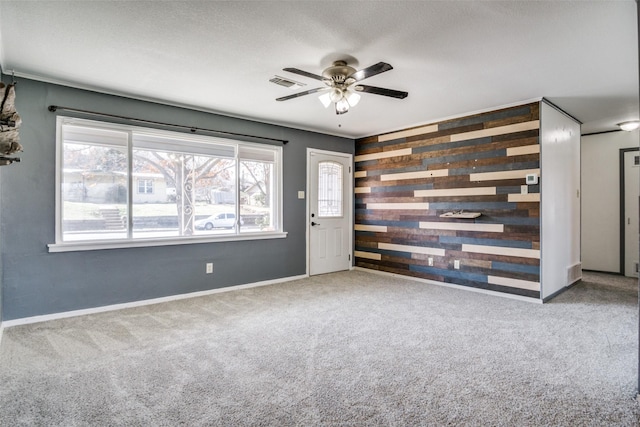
x,y
451,285
113,307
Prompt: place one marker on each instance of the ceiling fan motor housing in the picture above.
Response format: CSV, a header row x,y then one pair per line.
x,y
338,72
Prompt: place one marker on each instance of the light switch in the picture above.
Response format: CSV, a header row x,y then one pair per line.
x,y
300,194
524,189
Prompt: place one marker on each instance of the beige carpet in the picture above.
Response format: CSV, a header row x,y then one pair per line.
x,y
347,349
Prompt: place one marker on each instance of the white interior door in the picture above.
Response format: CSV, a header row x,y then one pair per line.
x,y
631,200
330,201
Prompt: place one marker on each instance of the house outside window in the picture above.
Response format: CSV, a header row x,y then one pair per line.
x,y
120,186
145,186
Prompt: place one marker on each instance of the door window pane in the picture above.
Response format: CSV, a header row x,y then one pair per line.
x,y
330,189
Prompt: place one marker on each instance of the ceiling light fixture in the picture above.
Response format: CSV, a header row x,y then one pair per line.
x,y
353,98
325,98
342,106
629,125
342,98
340,85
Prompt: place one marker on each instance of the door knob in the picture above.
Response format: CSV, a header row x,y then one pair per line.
x,y
314,223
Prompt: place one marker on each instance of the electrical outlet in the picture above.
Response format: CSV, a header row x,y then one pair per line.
x,y
209,267
430,262
456,264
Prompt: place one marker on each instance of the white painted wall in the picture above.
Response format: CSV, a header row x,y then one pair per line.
x,y
600,156
560,198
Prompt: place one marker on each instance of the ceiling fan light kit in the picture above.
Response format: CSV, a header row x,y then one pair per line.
x,y
339,79
342,106
325,98
629,125
336,94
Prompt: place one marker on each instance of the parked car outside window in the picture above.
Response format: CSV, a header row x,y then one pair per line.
x,y
221,220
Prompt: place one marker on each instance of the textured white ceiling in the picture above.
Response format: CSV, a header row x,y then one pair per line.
x,y
452,57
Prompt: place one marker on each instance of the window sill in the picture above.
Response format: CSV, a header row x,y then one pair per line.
x,y
143,243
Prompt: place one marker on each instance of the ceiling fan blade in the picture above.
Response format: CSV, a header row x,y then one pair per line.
x,y
371,71
304,73
381,91
306,92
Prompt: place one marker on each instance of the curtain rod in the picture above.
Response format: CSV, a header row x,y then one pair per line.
x,y
54,108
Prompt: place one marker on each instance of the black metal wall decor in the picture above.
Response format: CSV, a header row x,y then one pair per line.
x,y
9,125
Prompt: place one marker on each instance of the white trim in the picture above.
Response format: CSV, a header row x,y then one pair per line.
x,y
307,234
1,331
59,171
143,243
451,285
113,307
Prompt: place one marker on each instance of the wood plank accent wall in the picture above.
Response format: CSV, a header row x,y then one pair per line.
x,y
405,180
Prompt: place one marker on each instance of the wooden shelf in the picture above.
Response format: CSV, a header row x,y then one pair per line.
x,y
465,215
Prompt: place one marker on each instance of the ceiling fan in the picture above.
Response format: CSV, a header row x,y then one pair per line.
x,y
340,85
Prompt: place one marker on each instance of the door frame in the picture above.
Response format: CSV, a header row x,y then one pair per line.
x,y
348,205
623,254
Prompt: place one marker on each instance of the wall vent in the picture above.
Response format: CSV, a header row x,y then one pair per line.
x,y
281,81
574,273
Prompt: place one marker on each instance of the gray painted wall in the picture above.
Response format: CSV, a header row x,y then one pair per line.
x,y
36,282
1,270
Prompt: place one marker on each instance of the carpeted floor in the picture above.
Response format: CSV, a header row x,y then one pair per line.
x,y
345,349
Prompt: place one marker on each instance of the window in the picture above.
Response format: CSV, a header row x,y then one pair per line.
x,y
329,189
145,186
124,186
